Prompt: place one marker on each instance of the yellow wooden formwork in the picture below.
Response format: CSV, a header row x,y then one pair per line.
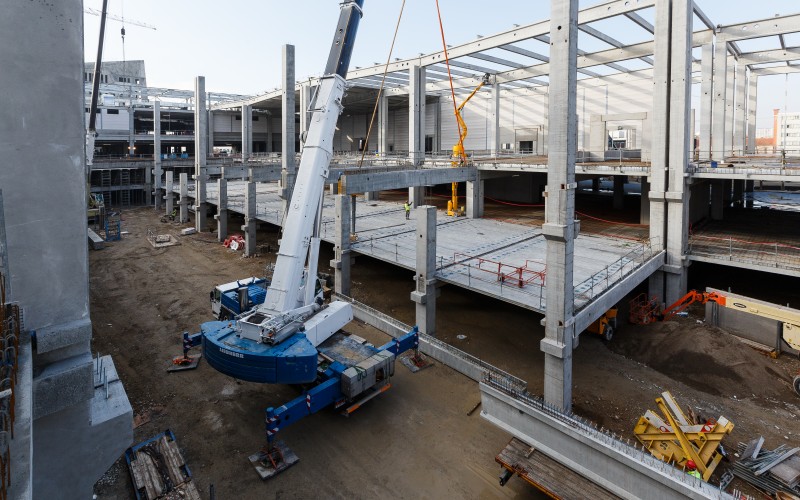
x,y
673,439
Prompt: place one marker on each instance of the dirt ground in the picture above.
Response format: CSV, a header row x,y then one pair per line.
x,y
415,441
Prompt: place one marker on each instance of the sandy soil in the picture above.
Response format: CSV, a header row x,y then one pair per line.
x,y
415,441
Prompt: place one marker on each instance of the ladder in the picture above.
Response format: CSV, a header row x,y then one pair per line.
x,y
125,194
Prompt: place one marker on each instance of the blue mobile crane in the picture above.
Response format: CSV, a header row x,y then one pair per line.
x,y
294,337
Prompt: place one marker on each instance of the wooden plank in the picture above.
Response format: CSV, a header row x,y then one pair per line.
x,y
547,475
172,460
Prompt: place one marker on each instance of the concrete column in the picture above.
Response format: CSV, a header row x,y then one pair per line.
x,y
416,195
184,199
131,132
424,294
475,197
66,432
644,210
718,141
559,226
200,154
289,169
168,196
730,104
148,186
749,187
596,184
437,125
727,192
269,132
383,125
717,199
494,120
680,142
210,122
706,101
619,191
738,192
598,138
222,208
416,114
305,103
752,103
740,125
247,132
660,143
341,260
157,152
250,221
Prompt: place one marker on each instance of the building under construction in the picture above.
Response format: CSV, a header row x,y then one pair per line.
x,y
590,181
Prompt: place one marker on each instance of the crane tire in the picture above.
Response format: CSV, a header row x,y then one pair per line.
x,y
796,385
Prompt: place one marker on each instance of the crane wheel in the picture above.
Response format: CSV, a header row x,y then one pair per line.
x,y
608,333
796,384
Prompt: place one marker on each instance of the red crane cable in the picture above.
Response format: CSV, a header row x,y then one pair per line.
x,y
449,76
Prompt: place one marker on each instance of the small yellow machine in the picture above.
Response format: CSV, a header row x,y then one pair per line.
x,y
606,325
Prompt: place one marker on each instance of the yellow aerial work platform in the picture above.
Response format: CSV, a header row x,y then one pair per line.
x,y
674,439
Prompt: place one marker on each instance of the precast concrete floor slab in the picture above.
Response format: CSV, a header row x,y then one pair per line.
x,y
499,259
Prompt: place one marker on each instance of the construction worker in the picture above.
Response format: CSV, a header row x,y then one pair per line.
x,y
691,469
407,207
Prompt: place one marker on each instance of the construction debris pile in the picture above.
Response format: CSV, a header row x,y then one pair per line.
x,y
771,471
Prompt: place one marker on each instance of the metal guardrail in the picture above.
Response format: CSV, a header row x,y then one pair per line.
x,y
592,287
627,447
770,254
10,331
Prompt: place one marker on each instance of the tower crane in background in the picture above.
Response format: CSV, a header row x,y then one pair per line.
x,y
95,12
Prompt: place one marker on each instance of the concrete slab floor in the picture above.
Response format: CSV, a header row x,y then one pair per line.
x,y
471,253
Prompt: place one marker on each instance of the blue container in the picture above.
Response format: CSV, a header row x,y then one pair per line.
x,y
713,164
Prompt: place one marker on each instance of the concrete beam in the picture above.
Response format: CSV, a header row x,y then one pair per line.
x,y
360,183
770,56
756,29
600,457
559,226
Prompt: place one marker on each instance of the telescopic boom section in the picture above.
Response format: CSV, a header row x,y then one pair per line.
x,y
285,292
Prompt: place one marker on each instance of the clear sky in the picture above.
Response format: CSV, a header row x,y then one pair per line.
x,y
236,44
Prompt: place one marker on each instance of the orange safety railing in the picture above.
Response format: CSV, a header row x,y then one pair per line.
x,y
521,275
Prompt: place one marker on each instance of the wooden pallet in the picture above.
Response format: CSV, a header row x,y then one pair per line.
x,y
159,471
547,475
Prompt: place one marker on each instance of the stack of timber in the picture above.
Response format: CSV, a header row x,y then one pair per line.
x,y
159,471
